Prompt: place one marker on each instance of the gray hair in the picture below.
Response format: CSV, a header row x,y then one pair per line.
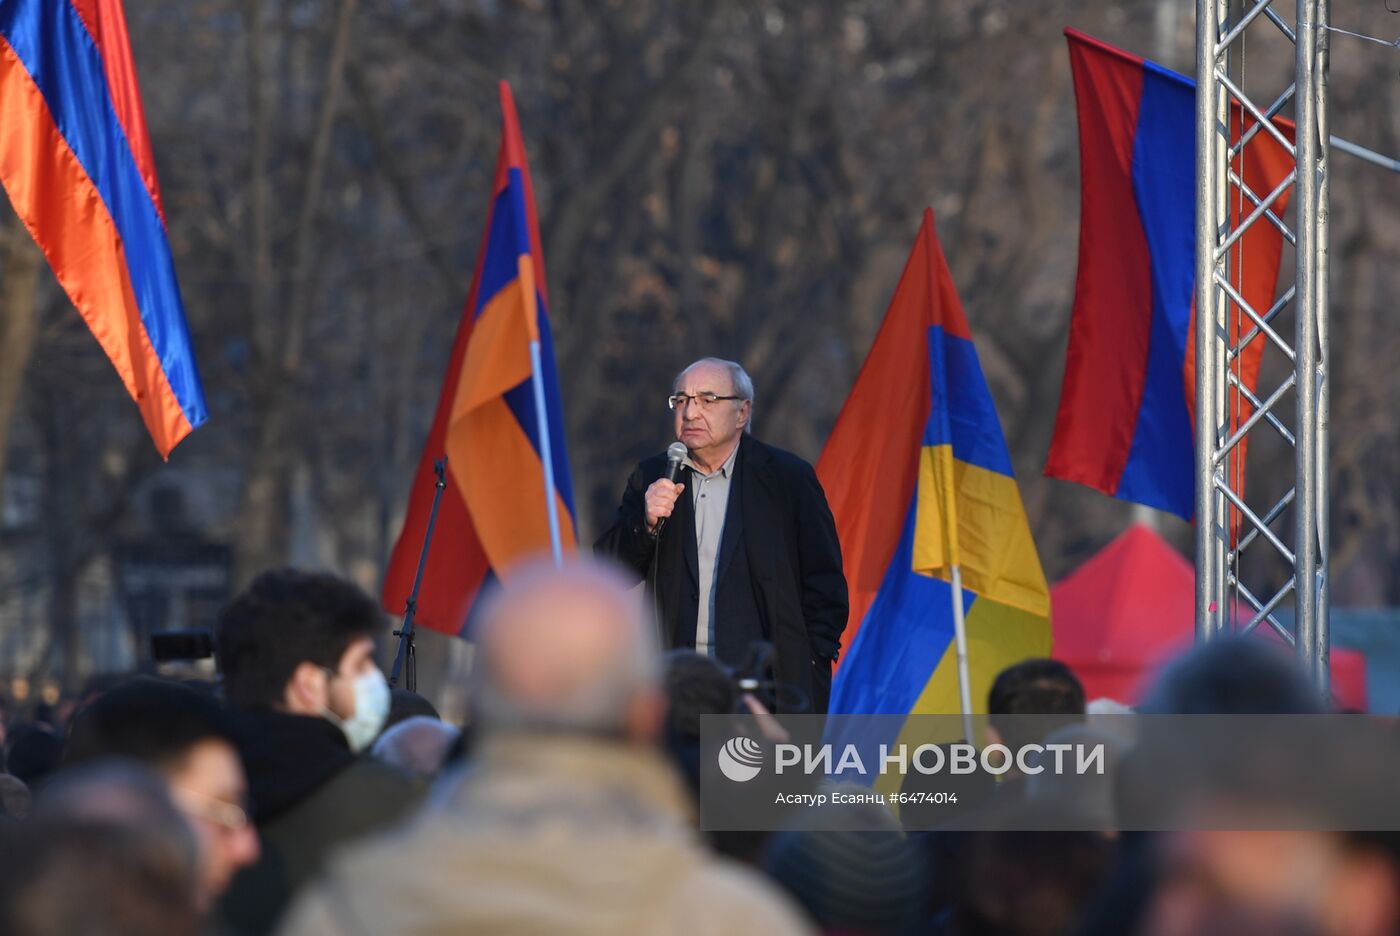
x,y
601,703
417,745
743,384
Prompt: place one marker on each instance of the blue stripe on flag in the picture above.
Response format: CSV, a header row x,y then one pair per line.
x,y
1160,468
962,411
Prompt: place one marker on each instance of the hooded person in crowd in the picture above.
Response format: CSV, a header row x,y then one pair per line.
x,y
296,650
568,820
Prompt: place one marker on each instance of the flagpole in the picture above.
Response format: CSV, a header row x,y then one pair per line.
x,y
960,638
556,546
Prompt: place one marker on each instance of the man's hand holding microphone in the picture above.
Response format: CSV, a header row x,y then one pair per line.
x,y
660,498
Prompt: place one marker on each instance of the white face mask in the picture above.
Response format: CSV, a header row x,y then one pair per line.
x,y
371,710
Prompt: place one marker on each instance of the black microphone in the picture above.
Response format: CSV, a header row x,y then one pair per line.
x,y
674,456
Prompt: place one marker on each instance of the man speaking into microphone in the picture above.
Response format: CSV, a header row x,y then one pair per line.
x,y
736,541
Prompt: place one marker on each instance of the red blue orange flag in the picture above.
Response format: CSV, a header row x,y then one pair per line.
x,y
1126,419
919,479
75,160
493,511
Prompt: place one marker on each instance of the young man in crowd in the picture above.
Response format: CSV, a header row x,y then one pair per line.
x,y
186,738
296,650
569,819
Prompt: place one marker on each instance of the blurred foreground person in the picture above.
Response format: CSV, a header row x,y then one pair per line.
x,y
188,740
32,752
1290,882
1233,675
105,852
418,745
859,879
14,798
1024,883
568,820
297,654
1161,880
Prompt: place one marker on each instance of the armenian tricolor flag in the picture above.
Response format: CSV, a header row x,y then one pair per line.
x,y
1126,419
497,419
75,159
919,479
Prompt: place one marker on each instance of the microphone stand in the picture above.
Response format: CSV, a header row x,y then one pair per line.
x,y
655,590
407,652
652,575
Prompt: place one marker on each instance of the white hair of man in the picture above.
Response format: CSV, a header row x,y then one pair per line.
x,y
743,384
417,745
566,649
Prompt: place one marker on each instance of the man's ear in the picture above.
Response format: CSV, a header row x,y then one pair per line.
x,y
305,693
745,411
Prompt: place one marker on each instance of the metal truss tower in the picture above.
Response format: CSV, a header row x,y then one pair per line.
x,y
1290,529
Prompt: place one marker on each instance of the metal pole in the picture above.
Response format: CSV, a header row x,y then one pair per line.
x,y
960,638
1212,216
556,545
407,650
1322,646
1306,455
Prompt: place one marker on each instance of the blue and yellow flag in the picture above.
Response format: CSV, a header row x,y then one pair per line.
x,y
919,480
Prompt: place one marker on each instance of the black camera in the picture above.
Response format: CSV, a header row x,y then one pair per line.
x,y
181,645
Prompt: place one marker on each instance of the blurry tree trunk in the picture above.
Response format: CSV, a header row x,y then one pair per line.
x,y
19,282
615,159
60,535
264,531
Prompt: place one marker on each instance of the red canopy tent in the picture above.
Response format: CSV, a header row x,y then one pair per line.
x,y
1131,607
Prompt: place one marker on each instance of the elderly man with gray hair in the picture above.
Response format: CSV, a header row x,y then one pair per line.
x,y
734,538
567,819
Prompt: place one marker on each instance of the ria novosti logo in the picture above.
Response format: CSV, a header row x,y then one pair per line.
x,y
740,759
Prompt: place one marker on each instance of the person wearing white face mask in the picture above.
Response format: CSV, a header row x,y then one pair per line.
x,y
296,651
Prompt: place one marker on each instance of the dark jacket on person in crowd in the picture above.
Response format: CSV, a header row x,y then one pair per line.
x,y
310,795
779,565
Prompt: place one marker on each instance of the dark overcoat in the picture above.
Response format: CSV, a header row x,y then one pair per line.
x,y
779,565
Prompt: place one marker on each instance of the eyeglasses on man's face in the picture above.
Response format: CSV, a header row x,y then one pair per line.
x,y
229,817
706,400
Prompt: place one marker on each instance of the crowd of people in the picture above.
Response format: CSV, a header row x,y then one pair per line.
x,y
301,795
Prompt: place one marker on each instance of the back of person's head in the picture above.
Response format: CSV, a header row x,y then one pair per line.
x,y
862,876
1089,796
114,791
34,751
1036,687
105,851
1233,675
151,721
285,618
696,686
14,798
1013,882
567,649
419,745
404,704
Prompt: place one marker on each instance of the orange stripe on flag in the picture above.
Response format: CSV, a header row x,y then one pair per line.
x,y
493,462
498,353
